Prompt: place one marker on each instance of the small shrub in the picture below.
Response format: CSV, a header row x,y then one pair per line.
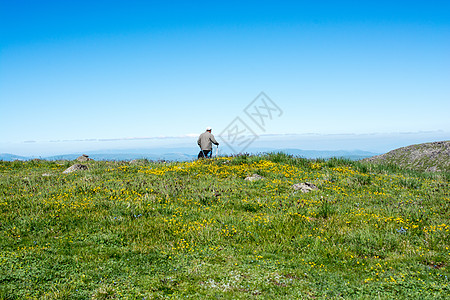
x,y
338,161
363,179
280,157
326,209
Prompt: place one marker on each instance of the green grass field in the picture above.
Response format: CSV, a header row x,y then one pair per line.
x,y
199,230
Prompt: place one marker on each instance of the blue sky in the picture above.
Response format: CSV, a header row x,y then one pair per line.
x,y
76,70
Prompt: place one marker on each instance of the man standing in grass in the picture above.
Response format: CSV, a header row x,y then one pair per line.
x,y
205,141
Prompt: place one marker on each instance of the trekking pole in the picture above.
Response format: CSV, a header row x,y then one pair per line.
x,y
217,151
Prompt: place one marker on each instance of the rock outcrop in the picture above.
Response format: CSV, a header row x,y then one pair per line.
x,y
75,167
305,187
84,158
254,177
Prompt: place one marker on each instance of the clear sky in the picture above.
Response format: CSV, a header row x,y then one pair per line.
x,y
75,70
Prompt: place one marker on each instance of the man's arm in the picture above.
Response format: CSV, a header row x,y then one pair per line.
x,y
199,143
213,140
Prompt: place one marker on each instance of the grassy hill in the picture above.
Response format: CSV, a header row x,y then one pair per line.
x,y
430,157
200,230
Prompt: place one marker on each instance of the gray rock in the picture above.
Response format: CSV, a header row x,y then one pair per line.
x,y
432,169
305,187
84,158
139,161
254,177
75,167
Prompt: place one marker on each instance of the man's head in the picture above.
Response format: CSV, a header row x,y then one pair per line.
x,y
208,128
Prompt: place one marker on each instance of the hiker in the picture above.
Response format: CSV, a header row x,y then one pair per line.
x,y
205,141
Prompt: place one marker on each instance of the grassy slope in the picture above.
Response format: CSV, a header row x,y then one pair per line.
x,y
198,229
421,157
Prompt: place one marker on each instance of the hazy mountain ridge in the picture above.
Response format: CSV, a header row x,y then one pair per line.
x,y
428,157
185,154
106,156
354,154
11,157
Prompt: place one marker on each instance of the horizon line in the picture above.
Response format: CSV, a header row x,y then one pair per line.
x,y
193,135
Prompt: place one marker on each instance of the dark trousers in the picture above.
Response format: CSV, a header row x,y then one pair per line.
x,y
204,154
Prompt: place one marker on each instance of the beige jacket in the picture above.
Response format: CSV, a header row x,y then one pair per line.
x,y
205,141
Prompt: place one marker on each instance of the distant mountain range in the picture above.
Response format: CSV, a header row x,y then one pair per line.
x,y
185,154
353,155
126,156
12,157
